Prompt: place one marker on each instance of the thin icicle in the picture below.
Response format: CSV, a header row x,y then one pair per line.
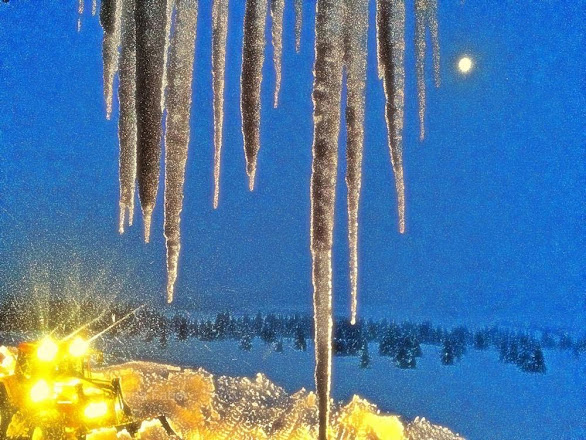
x,y
252,62
355,47
432,22
180,76
425,18
150,16
219,34
326,119
127,119
110,12
168,20
80,8
94,7
277,10
298,24
420,46
390,21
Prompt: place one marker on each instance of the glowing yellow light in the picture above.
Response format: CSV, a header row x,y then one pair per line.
x,y
40,391
96,410
78,347
47,350
465,64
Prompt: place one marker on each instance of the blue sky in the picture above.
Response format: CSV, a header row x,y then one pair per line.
x,y
495,194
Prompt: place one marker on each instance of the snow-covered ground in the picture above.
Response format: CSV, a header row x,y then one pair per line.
x,y
479,397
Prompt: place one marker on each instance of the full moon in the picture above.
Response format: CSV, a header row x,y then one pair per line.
x,y
465,64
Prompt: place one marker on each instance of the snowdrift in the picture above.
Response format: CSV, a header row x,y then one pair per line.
x,y
202,406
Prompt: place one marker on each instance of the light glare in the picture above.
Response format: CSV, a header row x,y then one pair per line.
x,y
465,64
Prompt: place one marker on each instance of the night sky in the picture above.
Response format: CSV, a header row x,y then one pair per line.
x,y
495,194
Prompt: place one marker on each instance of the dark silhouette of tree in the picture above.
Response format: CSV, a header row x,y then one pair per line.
x,y
300,343
245,343
365,356
447,355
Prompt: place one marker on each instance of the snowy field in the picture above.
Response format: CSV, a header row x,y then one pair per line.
x,y
480,398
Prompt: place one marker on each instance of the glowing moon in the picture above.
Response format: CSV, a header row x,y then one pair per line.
x,y
465,64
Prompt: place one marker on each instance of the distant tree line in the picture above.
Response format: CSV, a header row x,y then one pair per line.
x,y
401,342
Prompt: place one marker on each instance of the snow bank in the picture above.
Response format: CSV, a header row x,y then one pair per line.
x,y
202,406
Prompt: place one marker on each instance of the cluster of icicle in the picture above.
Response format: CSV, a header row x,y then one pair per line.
x,y
155,70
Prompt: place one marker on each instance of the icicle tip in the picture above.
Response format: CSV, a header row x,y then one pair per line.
x,y
251,176
148,216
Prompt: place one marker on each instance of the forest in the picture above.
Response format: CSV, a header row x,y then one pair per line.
x,y
400,342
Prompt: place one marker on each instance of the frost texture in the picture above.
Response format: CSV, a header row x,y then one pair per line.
x,y
253,48
150,47
425,18
326,118
219,35
277,10
200,405
177,132
355,51
127,119
390,22
110,12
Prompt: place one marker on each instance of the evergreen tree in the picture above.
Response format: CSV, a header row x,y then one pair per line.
x,y
365,356
245,342
405,358
300,343
534,362
447,354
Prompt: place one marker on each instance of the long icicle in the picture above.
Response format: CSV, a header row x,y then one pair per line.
x,y
177,132
355,48
252,62
110,12
94,7
390,21
420,46
432,22
150,18
168,19
127,119
298,24
277,11
326,119
219,36
80,8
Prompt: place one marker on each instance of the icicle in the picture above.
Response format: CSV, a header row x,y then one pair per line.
x,y
277,10
355,42
432,22
168,19
252,62
298,24
390,21
326,119
425,17
219,34
150,16
80,8
127,119
94,7
110,19
180,76
420,23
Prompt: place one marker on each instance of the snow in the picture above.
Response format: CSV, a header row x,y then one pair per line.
x,y
480,398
